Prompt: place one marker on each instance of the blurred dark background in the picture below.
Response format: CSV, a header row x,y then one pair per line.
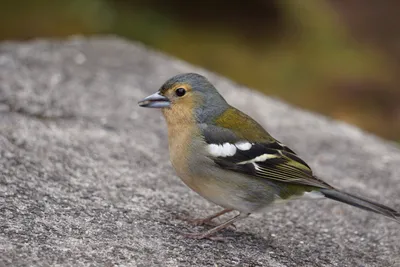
x,y
337,57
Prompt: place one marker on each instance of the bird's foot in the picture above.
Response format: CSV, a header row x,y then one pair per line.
x,y
205,221
198,222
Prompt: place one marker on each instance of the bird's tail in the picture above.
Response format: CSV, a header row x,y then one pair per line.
x,y
361,203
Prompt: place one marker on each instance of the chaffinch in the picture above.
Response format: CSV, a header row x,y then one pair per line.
x,y
229,159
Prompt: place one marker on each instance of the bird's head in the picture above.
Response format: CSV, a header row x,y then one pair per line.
x,y
187,96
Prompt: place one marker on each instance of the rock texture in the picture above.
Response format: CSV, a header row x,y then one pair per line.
x,y
85,178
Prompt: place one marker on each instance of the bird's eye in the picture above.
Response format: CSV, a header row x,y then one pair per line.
x,y
180,92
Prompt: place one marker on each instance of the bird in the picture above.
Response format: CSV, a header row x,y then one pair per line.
x,y
231,160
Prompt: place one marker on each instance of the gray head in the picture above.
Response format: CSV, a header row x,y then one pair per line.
x,y
188,91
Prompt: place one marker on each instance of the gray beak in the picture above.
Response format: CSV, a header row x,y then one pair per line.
x,y
155,101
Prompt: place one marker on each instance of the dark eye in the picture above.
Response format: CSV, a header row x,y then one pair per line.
x,y
180,92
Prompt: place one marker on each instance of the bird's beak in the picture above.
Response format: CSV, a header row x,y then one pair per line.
x,y
155,101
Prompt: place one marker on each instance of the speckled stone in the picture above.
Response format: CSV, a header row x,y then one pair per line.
x,y
85,178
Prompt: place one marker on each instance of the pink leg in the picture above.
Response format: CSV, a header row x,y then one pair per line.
x,y
208,233
207,220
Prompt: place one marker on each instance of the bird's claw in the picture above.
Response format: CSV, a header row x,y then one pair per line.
x,y
200,222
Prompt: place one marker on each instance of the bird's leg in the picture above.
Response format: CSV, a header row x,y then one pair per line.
x,y
209,233
207,220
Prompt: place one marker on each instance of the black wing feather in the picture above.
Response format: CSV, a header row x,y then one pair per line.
x,y
282,164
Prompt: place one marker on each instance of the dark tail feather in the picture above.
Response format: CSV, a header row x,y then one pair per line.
x,y
361,203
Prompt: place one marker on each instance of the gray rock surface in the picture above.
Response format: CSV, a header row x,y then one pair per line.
x,y
85,178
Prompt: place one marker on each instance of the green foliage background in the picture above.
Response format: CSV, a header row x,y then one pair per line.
x,y
301,51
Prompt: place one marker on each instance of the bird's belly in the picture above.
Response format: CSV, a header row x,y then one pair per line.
x,y
233,194
225,188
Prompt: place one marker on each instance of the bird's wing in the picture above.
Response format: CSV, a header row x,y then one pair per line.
x,y
267,159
